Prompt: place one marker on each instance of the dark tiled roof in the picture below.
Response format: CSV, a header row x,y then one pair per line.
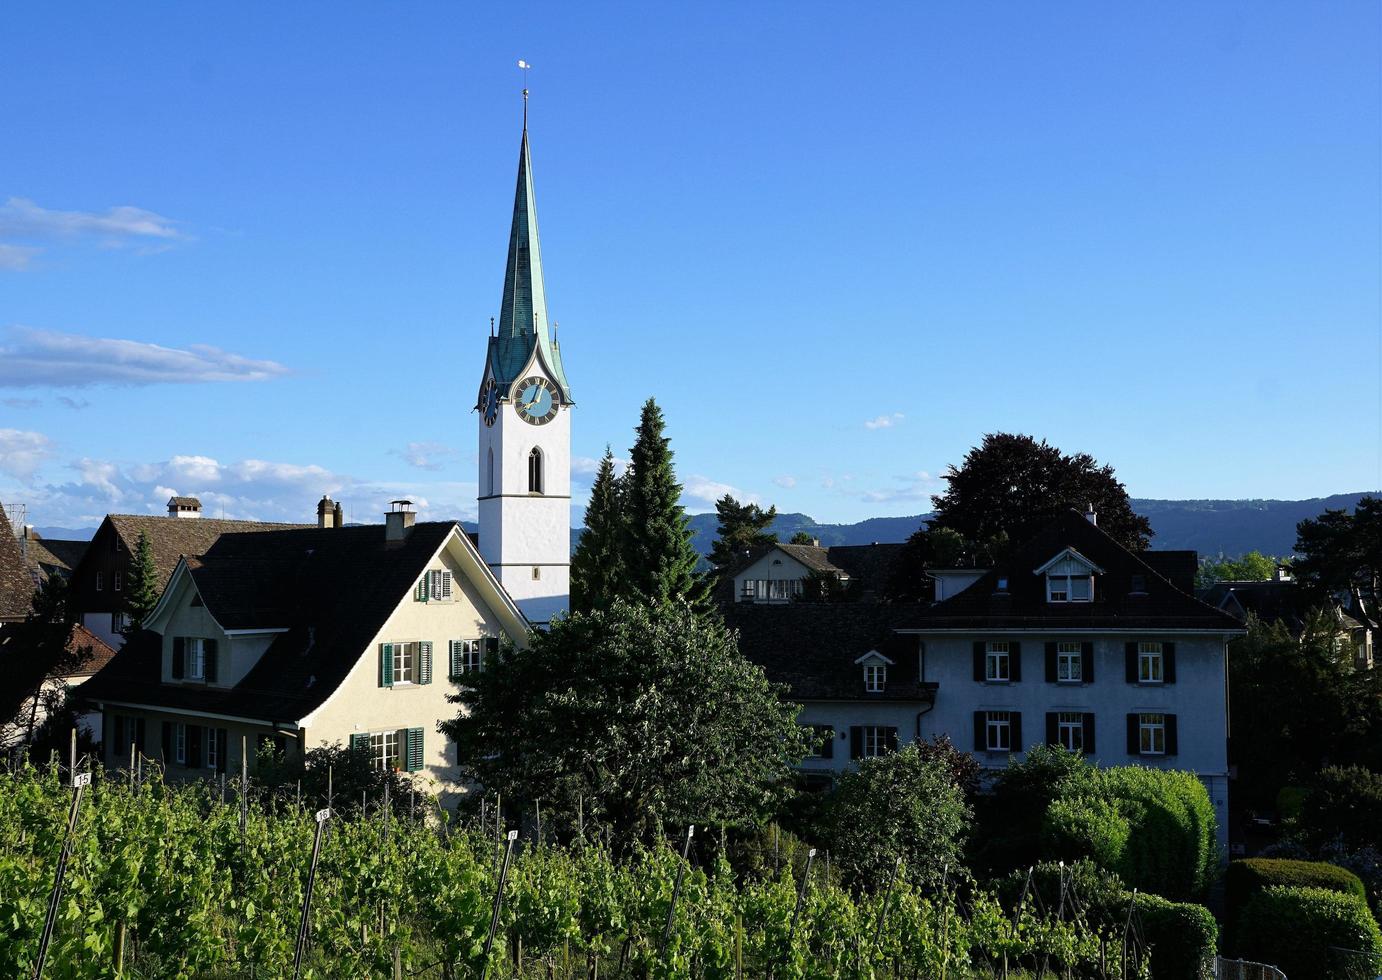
x,y
1114,607
184,502
172,537
812,556
870,567
811,647
16,581
1270,602
53,556
1177,567
332,588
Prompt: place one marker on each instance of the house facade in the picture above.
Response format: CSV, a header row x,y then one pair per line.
x,y
305,638
1073,641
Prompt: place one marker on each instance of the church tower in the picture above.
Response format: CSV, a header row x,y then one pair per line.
x,y
525,428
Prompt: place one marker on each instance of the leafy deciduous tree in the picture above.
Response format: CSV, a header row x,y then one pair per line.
x,y
1252,567
1010,485
643,715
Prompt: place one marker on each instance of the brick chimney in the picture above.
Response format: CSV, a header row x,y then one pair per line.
x,y
398,521
184,507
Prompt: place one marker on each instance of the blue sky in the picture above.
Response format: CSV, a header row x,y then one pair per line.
x,y
838,243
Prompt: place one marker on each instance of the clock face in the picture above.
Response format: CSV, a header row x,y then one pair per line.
x,y
489,401
535,400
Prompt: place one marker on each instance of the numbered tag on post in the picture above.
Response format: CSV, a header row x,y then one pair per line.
x,y
81,779
324,815
513,835
811,853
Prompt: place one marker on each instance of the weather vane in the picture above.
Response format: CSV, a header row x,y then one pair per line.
x,y
525,68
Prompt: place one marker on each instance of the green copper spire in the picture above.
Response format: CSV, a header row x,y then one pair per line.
x,y
523,324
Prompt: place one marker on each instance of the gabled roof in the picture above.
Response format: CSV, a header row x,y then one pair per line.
x,y
16,581
331,591
523,325
1072,554
170,537
813,647
1115,607
52,556
868,567
101,652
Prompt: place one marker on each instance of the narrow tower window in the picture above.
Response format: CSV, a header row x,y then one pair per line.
x,y
535,471
489,474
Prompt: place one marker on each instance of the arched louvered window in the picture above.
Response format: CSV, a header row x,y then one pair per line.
x,y
535,471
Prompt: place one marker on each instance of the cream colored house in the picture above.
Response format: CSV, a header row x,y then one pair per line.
x,y
309,637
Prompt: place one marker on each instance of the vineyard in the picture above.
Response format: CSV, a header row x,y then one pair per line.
x,y
163,882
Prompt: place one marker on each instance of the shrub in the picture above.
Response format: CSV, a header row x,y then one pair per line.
x,y
1023,791
898,805
1098,893
1304,932
1248,877
1086,827
1182,937
1344,802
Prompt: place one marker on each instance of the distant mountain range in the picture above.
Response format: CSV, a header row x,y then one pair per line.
x,y
1211,527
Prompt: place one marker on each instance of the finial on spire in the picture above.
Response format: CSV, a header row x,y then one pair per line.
x,y
525,67
491,326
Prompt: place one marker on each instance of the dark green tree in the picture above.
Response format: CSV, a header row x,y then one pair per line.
x,y
598,573
743,529
1340,551
1010,485
801,537
658,556
143,586
643,716
903,804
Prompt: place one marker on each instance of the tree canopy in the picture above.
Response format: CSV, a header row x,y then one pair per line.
x,y
1010,485
1252,567
743,528
641,715
143,586
597,564
1340,552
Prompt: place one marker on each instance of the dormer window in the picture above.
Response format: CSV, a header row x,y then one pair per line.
x,y
1069,577
875,671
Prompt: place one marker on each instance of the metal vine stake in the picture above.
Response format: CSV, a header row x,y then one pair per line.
x,y
676,891
498,902
322,817
801,895
79,783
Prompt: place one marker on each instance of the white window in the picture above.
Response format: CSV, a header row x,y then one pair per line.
x,y
1070,730
383,750
1151,734
117,622
875,676
180,743
998,731
117,580
440,585
877,739
196,660
822,740
1150,663
213,748
1069,663
469,656
404,660
99,582
997,663
1069,588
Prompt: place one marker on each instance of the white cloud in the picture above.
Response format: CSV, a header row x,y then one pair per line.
x,y
425,455
22,452
584,468
23,219
15,258
704,489
61,360
785,481
884,421
918,486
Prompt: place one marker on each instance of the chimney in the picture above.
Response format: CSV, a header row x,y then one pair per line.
x,y
397,521
1091,515
184,507
326,512
338,514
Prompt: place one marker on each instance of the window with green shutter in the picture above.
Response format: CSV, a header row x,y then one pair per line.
x,y
420,590
359,742
386,665
424,660
414,755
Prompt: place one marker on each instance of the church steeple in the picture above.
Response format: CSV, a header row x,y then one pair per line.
x,y
523,323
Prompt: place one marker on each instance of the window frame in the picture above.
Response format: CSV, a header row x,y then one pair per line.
x,y
535,471
379,756
1067,594
472,657
996,722
1149,731
993,658
405,652
819,738
439,584
874,737
194,667
1151,662
180,743
1069,662
875,677
1070,722
213,745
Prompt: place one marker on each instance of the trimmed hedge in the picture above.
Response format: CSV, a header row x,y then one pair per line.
x,y
1154,827
1247,877
1303,930
1183,937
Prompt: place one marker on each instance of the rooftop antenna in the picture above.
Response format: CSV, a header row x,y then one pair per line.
x,y
526,68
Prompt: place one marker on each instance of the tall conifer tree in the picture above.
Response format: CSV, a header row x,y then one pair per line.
x,y
598,573
658,557
743,529
143,592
